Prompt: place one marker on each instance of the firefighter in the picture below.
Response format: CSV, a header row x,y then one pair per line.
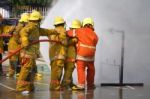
x,y
86,47
71,58
57,54
15,44
29,34
1,43
5,31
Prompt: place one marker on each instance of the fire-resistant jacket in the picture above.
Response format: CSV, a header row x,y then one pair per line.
x,y
86,46
71,49
29,34
4,30
8,28
14,42
58,50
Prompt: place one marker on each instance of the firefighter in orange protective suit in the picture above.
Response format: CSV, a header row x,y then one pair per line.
x,y
86,47
57,53
14,44
67,81
29,34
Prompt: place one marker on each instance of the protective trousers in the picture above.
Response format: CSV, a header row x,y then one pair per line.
x,y
81,68
26,76
18,65
69,65
56,73
67,78
13,67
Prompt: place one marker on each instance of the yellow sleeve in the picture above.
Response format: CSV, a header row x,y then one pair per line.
x,y
8,29
17,29
47,32
63,39
24,36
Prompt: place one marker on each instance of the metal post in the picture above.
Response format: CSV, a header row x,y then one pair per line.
x,y
122,60
121,67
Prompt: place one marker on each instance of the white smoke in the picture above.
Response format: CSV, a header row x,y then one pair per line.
x,y
131,16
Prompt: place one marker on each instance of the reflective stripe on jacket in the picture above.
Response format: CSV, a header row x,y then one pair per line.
x,y
58,50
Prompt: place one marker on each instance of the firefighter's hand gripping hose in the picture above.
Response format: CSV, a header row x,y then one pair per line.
x,y
18,50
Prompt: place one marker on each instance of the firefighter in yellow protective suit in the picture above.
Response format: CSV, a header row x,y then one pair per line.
x,y
14,44
1,43
67,81
3,29
29,34
57,54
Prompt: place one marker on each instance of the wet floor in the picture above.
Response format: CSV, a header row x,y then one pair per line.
x,y
7,87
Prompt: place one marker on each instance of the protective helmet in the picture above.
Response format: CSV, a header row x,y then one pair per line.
x,y
88,21
76,24
35,15
24,17
58,20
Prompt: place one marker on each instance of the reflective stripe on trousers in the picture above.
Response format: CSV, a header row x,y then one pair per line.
x,y
79,57
57,57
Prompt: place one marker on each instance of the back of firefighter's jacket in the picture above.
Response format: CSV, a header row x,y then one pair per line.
x,y
87,40
71,49
29,34
58,50
14,42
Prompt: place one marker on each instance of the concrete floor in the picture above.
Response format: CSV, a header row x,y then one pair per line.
x,y
7,87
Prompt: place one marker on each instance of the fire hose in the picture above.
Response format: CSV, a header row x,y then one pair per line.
x,y
18,50
5,35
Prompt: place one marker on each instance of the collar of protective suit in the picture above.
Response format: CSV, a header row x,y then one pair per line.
x,y
34,23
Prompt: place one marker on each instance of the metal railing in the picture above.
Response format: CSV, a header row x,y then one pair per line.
x,y
16,12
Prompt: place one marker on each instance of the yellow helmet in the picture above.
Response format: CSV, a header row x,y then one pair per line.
x,y
35,15
58,20
88,21
76,24
24,17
